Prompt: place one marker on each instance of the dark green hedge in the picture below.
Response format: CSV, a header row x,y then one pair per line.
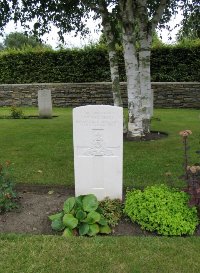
x,y
92,65
175,64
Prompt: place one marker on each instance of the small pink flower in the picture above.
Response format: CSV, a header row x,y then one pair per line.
x,y
193,169
189,132
185,133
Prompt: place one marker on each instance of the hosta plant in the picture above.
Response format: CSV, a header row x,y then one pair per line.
x,y
80,216
162,209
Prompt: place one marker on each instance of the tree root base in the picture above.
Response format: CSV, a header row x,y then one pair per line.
x,y
153,135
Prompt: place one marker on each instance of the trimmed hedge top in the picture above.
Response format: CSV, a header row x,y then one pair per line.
x,y
172,64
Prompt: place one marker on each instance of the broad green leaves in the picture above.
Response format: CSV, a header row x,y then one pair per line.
x,y
81,215
83,229
67,233
93,230
69,204
70,221
57,225
105,229
56,216
92,217
90,202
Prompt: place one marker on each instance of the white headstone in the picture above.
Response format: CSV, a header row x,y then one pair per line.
x,y
44,103
98,150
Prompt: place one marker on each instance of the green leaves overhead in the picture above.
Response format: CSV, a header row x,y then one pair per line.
x,y
66,15
69,15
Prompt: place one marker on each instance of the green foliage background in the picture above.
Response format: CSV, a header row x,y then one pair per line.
x,y
168,63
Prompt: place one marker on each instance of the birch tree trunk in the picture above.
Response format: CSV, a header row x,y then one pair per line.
x,y
113,58
114,69
135,128
145,84
146,28
145,39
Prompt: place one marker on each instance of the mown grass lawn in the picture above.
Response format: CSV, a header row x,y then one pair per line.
x,y
42,153
45,254
41,150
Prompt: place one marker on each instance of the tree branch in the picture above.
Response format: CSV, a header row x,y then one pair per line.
x,y
103,8
92,6
158,14
142,12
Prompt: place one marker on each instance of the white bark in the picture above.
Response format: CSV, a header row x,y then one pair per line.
x,y
145,83
114,69
115,78
135,128
113,58
144,64
146,28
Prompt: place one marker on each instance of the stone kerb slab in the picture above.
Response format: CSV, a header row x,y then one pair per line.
x,y
45,103
98,150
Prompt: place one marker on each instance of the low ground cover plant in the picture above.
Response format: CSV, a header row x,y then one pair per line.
x,y
167,210
8,196
162,209
80,216
112,210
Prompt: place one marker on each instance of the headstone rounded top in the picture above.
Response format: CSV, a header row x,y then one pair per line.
x,y
97,106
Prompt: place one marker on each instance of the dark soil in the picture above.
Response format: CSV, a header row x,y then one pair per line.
x,y
38,202
153,135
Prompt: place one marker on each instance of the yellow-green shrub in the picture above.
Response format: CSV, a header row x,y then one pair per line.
x,y
161,209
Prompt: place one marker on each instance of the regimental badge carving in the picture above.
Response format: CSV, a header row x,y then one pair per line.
x,y
98,147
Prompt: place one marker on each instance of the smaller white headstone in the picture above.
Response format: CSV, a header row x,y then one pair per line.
x,y
45,103
98,146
